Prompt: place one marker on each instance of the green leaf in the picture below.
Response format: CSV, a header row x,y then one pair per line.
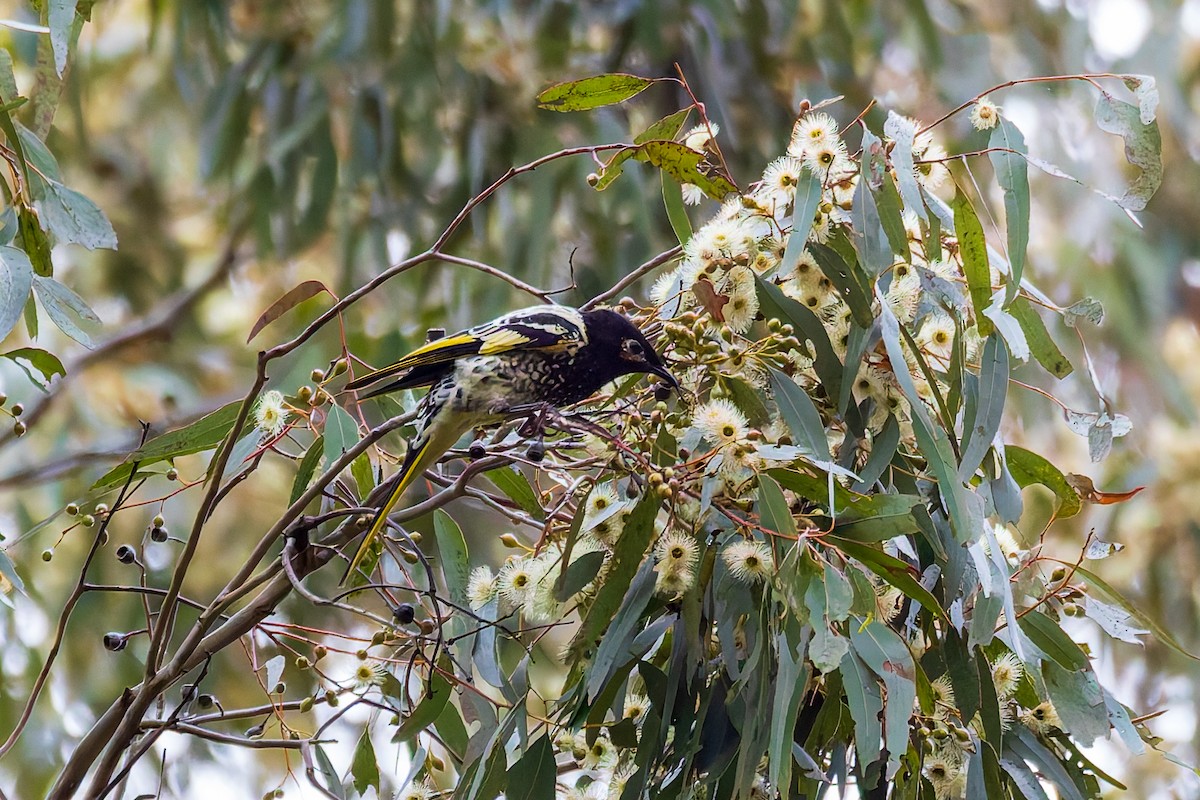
x,y
1052,640
672,193
333,782
989,703
515,486
877,517
340,433
748,400
801,416
47,364
808,327
1008,328
588,93
580,573
1099,588
1025,746
533,776
983,773
814,487
61,17
891,569
67,310
965,508
828,648
363,767
74,219
804,211
483,650
883,447
1012,173
1028,468
429,709
870,240
773,511
34,241
847,279
980,428
790,684
308,466
866,702
203,434
666,128
625,624
836,593
1079,701
364,477
1038,338
903,131
16,282
887,200
683,164
1143,147
639,530
452,552
963,671
973,249
889,658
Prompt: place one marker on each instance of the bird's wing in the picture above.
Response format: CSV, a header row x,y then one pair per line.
x,y
548,328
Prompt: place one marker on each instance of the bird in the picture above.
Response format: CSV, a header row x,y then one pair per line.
x,y
536,357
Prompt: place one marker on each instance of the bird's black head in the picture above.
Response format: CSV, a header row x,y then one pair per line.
x,y
620,347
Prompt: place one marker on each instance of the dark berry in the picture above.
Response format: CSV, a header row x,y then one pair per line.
x,y
404,613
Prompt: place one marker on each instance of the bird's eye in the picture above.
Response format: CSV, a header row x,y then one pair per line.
x,y
633,347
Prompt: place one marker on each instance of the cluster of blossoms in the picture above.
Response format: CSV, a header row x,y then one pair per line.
x,y
947,739
729,357
724,348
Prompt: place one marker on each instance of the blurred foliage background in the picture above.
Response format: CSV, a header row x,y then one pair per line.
x,y
240,148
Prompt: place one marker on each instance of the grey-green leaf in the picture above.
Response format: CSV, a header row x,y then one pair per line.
x,y
1012,173
993,386
16,281
801,416
903,131
67,310
341,433
1143,147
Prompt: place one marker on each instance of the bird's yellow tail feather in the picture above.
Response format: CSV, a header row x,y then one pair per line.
x,y
413,467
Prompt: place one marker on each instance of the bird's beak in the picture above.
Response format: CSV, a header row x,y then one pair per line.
x,y
662,372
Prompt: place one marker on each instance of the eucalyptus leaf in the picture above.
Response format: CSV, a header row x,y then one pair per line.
x,y
16,282
1007,152
903,132
592,92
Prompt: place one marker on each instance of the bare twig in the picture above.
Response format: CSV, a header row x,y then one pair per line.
x,y
634,275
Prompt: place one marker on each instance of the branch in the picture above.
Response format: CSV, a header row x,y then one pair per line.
x,y
634,276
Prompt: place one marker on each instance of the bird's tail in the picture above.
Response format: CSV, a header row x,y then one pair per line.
x,y
413,466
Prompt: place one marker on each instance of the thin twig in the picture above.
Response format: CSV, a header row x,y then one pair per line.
x,y
636,274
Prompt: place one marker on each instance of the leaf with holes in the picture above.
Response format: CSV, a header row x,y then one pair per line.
x,y
593,92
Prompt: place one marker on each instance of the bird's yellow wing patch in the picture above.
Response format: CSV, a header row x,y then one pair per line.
x,y
445,349
503,340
